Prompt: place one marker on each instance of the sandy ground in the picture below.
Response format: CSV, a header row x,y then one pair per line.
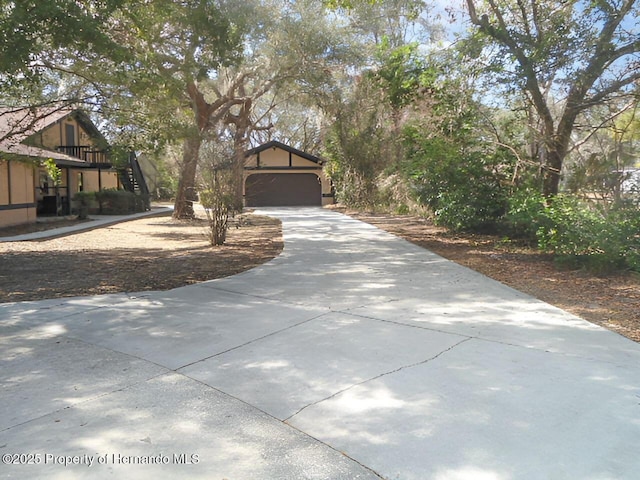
x,y
154,253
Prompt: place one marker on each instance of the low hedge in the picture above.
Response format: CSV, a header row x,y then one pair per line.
x,y
111,202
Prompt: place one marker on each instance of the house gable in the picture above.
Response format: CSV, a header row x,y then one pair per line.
x,y
73,129
68,136
276,155
38,134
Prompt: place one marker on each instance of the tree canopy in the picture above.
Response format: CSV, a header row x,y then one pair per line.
x,y
30,28
565,56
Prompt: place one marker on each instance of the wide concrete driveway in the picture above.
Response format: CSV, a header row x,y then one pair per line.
x,y
352,355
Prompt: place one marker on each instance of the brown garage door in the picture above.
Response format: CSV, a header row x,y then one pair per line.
x,y
283,189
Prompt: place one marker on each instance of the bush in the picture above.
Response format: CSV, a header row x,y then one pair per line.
x,y
476,208
83,203
581,235
218,205
120,202
355,189
465,190
526,215
621,236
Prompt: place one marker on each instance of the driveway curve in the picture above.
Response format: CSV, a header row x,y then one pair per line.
x,y
353,355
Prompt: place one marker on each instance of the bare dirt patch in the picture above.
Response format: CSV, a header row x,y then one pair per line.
x,y
153,253
612,301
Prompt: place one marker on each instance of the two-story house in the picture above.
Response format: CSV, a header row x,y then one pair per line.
x,y
29,138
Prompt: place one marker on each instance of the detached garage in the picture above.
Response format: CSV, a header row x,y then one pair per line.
x,y
279,175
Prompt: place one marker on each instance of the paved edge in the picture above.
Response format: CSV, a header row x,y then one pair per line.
x,y
97,221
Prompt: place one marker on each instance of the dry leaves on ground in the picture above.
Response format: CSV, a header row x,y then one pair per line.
x,y
153,253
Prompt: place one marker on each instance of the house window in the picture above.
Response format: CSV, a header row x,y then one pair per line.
x,y
70,133
80,182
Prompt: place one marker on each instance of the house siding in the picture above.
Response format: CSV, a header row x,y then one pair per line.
x,y
4,183
297,161
272,158
94,180
17,195
54,135
26,189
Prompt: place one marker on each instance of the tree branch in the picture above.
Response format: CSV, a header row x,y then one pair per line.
x,y
501,34
602,124
612,88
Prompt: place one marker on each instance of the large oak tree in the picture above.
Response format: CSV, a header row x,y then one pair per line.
x,y
574,54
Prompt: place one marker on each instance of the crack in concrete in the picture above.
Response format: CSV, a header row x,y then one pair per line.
x,y
91,399
250,342
411,325
267,414
384,374
489,340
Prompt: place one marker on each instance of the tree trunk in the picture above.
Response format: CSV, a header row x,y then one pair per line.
x,y
186,194
242,123
557,150
238,171
551,174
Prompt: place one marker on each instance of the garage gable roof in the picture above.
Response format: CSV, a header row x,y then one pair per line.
x,y
286,148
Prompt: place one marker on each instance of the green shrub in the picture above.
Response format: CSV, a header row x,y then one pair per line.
x,y
464,190
83,203
526,215
476,208
120,202
85,199
623,234
581,235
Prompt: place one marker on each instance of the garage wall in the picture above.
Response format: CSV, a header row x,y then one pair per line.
x,y
277,160
272,158
297,161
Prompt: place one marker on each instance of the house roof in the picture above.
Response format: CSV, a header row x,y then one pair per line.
x,y
17,124
287,148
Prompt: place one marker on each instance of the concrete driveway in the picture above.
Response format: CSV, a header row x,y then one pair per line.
x,y
352,355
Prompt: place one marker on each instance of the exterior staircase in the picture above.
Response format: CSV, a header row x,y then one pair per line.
x,y
133,180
